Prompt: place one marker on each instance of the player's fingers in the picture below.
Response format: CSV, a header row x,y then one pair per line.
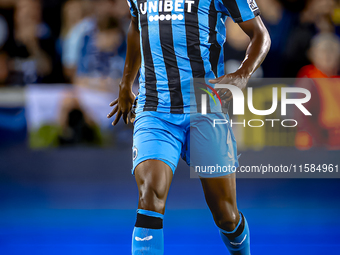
x,y
125,118
132,117
217,80
113,112
119,114
223,92
114,102
226,95
228,99
220,92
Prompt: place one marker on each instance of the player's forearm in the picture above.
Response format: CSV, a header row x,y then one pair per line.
x,y
257,50
133,56
255,55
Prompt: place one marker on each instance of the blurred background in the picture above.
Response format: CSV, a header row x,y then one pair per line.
x,y
65,182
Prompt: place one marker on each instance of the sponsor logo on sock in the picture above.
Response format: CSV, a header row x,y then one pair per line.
x,y
147,238
238,244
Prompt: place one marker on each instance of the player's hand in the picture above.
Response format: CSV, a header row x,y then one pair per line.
x,y
237,79
122,105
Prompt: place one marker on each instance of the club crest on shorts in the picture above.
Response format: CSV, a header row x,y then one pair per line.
x,y
134,153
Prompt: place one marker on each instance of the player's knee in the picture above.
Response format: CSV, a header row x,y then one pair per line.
x,y
227,223
227,219
152,198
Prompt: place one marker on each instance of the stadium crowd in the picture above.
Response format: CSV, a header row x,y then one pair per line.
x,y
82,43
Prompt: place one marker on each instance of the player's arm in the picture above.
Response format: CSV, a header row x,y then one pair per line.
x,y
123,104
258,47
256,52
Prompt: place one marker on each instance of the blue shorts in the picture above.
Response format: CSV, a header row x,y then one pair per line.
x,y
167,137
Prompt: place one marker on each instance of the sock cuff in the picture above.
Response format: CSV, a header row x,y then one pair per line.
x,y
150,213
149,219
238,229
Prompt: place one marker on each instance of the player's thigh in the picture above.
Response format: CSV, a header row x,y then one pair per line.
x,y
153,178
212,148
220,195
220,191
155,139
156,151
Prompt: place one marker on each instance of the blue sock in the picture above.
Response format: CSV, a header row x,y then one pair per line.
x,y
238,240
147,238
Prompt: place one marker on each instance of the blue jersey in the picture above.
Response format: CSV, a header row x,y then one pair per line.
x,y
181,40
